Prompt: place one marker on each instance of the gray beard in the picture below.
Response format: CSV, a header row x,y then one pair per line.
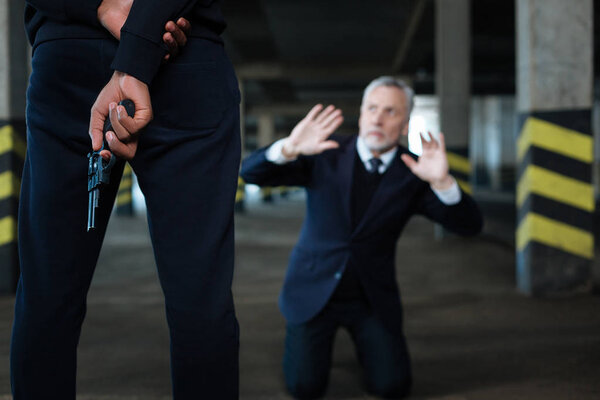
x,y
379,148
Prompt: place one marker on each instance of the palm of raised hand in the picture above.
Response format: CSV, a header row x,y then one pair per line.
x,y
310,135
432,165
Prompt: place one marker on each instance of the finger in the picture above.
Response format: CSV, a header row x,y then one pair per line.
x,y
172,45
327,145
331,117
333,125
424,142
409,161
96,126
442,141
433,141
106,155
170,26
324,114
313,112
184,25
122,134
120,149
177,33
143,115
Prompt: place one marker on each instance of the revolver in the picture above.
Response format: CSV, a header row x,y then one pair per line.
x,y
99,169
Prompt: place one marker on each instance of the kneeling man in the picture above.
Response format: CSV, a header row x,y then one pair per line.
x,y
361,191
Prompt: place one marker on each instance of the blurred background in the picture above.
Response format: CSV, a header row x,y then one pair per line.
x,y
514,85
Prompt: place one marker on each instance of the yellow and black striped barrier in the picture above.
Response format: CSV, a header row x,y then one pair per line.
x,y
240,195
284,191
125,193
12,156
460,167
266,194
555,202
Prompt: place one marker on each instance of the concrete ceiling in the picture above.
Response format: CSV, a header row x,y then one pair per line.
x,y
292,53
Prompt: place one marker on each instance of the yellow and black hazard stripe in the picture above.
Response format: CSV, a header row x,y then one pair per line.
x,y
240,195
284,191
266,194
287,191
555,200
12,157
125,194
460,167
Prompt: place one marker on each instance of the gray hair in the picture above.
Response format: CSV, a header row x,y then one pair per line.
x,y
390,81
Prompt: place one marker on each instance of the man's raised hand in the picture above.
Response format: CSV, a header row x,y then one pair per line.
x,y
432,165
310,135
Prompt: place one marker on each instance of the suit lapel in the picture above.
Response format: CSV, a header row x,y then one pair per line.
x,y
391,183
346,168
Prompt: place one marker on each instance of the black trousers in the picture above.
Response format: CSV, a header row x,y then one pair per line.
x,y
308,349
187,166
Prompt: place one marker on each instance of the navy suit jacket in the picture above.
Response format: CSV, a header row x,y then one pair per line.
x,y
328,241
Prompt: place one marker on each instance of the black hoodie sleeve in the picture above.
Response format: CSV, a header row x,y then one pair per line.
x,y
85,11
141,48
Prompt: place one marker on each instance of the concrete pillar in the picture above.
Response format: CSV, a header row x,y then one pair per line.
x,y
265,136
479,173
14,72
266,130
492,142
555,199
508,119
499,141
492,138
596,132
453,83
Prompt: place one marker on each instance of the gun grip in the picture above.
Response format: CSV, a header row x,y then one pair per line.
x,y
129,107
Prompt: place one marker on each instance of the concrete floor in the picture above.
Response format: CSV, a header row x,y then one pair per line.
x,y
470,334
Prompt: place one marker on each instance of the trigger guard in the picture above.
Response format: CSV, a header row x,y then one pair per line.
x,y
109,164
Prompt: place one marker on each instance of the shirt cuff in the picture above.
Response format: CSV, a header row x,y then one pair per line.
x,y
449,196
275,155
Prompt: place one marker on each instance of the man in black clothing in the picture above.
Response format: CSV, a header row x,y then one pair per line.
x,y
361,191
186,160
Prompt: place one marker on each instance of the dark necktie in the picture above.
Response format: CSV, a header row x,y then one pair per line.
x,y
374,164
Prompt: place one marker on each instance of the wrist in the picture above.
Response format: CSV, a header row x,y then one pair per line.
x,y
105,12
101,10
112,15
110,20
444,183
129,82
288,150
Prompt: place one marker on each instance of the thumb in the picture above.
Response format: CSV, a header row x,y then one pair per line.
x,y
327,145
409,161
